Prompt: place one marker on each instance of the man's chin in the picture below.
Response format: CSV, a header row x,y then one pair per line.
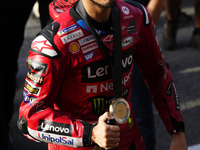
x,y
110,4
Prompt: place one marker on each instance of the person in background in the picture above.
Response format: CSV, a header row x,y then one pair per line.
x,y
154,7
195,40
176,19
14,15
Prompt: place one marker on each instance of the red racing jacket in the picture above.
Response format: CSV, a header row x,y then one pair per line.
x,y
69,83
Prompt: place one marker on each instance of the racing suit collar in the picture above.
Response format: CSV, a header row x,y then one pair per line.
x,y
81,13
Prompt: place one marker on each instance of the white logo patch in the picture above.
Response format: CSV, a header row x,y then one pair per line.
x,y
72,36
42,45
125,10
127,41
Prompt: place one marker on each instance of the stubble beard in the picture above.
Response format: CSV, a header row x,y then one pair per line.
x,y
105,6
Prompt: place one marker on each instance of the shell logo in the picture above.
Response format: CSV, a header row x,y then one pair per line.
x,y
74,47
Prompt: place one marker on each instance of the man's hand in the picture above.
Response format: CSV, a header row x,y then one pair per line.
x,y
106,136
178,141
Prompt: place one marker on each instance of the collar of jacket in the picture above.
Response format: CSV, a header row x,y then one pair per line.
x,y
79,14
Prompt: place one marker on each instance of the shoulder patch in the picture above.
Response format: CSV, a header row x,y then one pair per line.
x,y
42,46
143,9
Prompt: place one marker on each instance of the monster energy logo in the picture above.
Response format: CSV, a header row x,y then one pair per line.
x,y
99,105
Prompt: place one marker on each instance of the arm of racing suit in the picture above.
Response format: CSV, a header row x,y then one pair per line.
x,y
38,117
154,70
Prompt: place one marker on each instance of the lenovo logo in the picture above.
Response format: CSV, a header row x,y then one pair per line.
x,y
55,127
101,71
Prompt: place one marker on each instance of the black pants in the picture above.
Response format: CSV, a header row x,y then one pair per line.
x,y
13,17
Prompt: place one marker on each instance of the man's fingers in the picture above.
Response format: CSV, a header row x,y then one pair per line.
x,y
113,128
111,134
113,140
105,116
111,145
106,136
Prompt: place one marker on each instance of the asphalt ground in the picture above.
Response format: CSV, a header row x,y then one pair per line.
x,y
184,64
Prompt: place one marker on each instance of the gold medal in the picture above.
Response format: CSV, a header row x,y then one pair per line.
x,y
120,109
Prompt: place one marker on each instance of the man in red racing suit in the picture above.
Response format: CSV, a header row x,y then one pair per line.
x,y
69,83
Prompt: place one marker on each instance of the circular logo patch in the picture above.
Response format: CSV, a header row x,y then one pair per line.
x,y
74,47
125,10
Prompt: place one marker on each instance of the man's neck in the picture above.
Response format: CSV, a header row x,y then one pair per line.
x,y
95,12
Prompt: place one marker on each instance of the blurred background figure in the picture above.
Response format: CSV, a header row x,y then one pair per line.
x,y
154,7
195,40
14,15
176,19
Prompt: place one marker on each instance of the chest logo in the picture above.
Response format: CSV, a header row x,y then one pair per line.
x,y
74,47
125,10
127,41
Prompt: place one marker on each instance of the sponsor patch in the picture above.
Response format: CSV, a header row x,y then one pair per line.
x,y
43,46
126,78
99,104
99,70
56,139
74,47
68,29
36,78
131,27
28,99
37,66
72,36
89,47
124,28
86,40
176,99
108,39
130,122
55,127
36,106
127,41
34,90
91,89
89,56
169,90
128,17
125,10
